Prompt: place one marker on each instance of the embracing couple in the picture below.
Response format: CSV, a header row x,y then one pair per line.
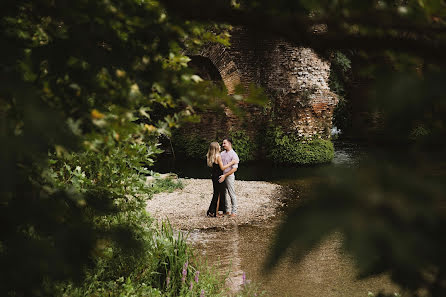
x,y
223,166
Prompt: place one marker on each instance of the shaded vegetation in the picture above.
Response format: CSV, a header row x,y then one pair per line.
x,y
339,81
166,268
191,145
77,126
244,146
291,149
80,83
388,209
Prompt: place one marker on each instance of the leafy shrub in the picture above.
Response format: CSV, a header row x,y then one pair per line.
x,y
289,149
166,268
419,132
191,145
166,185
243,145
340,78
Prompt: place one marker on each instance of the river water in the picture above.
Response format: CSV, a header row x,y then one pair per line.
x,y
241,251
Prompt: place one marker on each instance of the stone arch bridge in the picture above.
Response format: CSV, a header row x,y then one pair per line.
x,y
294,78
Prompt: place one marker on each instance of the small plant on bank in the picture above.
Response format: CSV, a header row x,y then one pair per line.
x,y
249,288
166,267
166,185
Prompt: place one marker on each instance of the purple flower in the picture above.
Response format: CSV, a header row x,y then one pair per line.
x,y
183,279
202,293
191,285
244,278
197,273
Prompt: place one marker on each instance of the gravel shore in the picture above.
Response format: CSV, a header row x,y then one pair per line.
x,y
186,208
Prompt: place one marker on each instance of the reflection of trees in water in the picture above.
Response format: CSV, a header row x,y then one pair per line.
x,y
236,276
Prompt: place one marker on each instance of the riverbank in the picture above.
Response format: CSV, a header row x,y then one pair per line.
x,y
186,208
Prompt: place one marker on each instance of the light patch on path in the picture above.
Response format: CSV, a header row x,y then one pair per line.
x,y
186,208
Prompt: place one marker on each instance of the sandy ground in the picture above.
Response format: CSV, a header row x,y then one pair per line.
x,y
186,208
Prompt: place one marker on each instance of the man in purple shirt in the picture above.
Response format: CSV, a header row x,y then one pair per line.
x,y
228,174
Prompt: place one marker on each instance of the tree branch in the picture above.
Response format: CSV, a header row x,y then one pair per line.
x,y
297,29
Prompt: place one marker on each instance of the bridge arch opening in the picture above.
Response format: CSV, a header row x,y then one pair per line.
x,y
204,67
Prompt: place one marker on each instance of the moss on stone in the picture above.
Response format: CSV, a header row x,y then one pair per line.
x,y
289,149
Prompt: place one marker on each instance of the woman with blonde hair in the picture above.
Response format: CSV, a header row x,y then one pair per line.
x,y
218,198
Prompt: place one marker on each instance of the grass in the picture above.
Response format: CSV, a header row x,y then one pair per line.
x,y
163,265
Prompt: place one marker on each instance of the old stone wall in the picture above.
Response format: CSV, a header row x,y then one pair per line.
x,y
298,87
294,78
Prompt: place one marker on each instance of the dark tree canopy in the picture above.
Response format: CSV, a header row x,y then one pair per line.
x,y
80,84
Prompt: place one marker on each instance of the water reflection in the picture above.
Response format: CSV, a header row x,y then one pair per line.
x,y
325,271
221,248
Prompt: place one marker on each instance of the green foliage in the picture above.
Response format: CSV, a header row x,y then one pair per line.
x,y
167,267
290,149
120,170
195,146
418,133
80,76
166,185
243,145
77,121
412,108
190,144
250,289
340,72
341,62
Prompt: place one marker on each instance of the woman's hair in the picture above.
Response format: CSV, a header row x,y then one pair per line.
x,y
214,149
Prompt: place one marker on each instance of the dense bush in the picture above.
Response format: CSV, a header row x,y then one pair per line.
x,y
289,149
190,145
340,77
243,145
83,81
158,262
167,267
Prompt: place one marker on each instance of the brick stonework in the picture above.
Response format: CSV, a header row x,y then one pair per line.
x,y
294,78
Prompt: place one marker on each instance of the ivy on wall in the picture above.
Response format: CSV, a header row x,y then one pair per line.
x,y
243,145
190,145
195,146
281,147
